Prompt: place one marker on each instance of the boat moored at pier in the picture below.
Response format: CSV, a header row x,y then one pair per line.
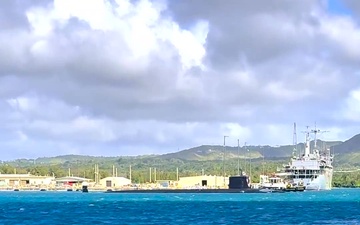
x,y
312,169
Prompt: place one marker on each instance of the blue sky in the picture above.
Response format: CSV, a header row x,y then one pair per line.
x,y
125,77
338,7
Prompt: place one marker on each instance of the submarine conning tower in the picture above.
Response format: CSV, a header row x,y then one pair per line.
x,y
239,182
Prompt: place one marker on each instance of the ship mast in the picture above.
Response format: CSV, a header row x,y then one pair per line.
x,y
295,151
307,142
315,131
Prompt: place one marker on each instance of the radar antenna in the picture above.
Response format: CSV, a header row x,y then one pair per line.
x,y
315,132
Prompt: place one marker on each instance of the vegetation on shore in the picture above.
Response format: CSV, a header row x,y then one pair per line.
x,y
166,169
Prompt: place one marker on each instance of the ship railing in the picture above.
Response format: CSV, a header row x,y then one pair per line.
x,y
283,174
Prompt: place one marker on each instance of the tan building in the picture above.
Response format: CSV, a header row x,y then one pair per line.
x,y
114,182
203,181
24,180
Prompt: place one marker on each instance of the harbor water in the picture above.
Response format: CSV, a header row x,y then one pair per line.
x,y
339,206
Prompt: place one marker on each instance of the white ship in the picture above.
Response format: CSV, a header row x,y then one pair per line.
x,y
312,168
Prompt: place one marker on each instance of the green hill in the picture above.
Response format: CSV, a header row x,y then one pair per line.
x,y
349,146
212,153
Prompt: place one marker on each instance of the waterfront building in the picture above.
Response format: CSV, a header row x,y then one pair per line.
x,y
204,181
24,181
114,182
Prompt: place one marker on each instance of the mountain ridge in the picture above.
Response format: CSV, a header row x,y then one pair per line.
x,y
216,152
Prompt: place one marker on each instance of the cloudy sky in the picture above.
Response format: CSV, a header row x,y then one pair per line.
x,y
130,77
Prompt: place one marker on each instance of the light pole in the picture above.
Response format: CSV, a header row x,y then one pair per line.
x,y
224,159
249,159
249,165
238,158
263,162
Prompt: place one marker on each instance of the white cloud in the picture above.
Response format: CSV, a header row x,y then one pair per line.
x,y
155,76
279,90
352,106
345,34
139,24
22,136
235,130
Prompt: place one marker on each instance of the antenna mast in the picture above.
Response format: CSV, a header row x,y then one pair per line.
x,y
295,141
307,142
315,131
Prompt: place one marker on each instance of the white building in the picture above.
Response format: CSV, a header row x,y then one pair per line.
x,y
113,182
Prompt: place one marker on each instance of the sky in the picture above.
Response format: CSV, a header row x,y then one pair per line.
x,y
133,77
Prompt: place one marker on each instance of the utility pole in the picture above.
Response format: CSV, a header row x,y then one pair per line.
x,y
113,182
224,159
155,174
238,158
249,155
96,172
130,173
95,179
177,173
150,174
249,165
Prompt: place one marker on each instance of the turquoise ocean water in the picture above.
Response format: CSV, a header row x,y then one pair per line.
x,y
339,206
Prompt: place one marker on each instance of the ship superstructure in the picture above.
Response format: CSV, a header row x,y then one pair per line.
x,y
313,168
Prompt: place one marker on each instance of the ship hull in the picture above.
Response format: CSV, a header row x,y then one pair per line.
x,y
323,182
